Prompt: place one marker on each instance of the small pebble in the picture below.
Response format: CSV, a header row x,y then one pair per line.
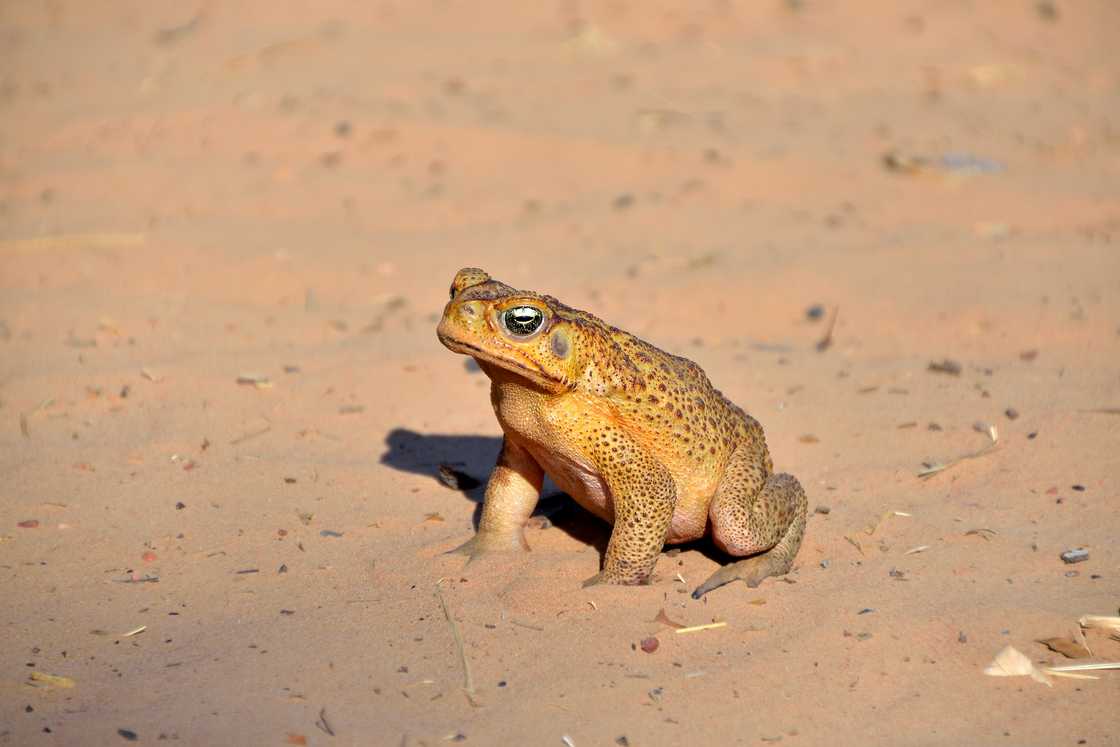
x,y
1075,556
945,366
180,506
1072,574
822,509
128,734
649,645
824,564
1011,413
814,312
865,611
961,637
1078,488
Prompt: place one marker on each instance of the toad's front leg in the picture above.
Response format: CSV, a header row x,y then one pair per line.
x,y
511,495
644,497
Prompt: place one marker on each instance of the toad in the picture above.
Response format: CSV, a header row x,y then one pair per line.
x,y
637,436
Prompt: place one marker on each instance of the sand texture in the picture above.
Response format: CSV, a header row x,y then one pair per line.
x,y
227,232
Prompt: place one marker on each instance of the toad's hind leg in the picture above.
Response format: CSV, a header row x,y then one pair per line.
x,y
768,520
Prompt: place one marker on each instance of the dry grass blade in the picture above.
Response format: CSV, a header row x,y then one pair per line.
x,y
696,628
934,467
1071,675
468,680
1085,667
74,241
825,342
40,679
1105,622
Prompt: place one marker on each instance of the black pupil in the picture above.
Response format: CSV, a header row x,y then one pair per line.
x,y
523,321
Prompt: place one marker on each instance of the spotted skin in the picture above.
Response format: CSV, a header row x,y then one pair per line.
x,y
636,435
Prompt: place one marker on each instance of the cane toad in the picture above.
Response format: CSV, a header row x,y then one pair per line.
x,y
635,435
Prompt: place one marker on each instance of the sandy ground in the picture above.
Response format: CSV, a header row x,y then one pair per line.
x,y
190,194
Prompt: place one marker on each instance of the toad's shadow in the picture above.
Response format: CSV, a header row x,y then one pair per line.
x,y
423,454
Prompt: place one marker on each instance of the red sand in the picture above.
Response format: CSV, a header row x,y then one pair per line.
x,y
189,194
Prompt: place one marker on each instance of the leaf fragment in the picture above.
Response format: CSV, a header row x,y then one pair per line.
x,y
47,681
1067,647
1010,662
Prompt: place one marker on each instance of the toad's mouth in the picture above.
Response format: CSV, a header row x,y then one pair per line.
x,y
519,366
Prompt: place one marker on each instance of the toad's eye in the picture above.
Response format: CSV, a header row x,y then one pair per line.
x,y
522,321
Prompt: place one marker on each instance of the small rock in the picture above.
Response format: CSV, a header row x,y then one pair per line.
x,y
961,637
649,645
179,506
1075,556
1046,10
1078,488
128,734
1011,413
815,312
825,564
28,524
945,366
822,509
